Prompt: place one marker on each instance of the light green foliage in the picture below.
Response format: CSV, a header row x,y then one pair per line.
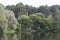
x,y
18,30
12,22
25,22
3,23
50,22
7,19
3,20
10,31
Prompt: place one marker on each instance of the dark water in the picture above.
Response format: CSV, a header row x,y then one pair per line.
x,y
31,36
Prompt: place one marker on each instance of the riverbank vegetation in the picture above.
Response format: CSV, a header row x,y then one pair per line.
x,y
20,17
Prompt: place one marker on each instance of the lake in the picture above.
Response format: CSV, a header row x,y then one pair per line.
x,y
31,36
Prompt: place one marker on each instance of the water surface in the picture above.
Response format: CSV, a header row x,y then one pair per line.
x,y
31,36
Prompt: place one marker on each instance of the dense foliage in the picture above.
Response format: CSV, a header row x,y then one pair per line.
x,y
20,17
36,21
7,19
21,9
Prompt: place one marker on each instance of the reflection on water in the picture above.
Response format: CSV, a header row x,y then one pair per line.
x,y
31,36
8,37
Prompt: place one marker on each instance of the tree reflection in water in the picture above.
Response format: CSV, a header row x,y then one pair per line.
x,y
29,36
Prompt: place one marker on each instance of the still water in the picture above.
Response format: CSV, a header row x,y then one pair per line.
x,y
31,36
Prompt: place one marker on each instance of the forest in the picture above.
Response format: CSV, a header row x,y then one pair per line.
x,y
20,17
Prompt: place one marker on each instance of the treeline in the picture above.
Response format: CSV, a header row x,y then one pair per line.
x,y
21,9
20,17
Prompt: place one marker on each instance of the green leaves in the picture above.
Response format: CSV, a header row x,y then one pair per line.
x,y
7,19
25,22
12,22
37,20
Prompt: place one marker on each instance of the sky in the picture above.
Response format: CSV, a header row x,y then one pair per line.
x,y
35,3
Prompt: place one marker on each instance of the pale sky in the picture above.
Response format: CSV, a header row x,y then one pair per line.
x,y
35,3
